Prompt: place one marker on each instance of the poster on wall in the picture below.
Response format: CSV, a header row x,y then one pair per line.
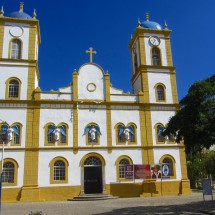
x,y
166,170
138,171
142,171
156,171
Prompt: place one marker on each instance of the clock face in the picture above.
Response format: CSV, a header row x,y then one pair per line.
x,y
155,41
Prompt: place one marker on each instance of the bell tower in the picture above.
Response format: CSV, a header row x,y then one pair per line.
x,y
152,64
19,42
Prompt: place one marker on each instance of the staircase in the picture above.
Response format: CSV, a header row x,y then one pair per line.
x,y
93,197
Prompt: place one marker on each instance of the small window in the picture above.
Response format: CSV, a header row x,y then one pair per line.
x,y
120,135
16,49
160,93
59,171
63,135
156,58
16,136
122,167
160,129
8,172
50,136
13,89
132,135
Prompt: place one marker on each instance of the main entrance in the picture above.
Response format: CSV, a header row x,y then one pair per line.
x,y
93,175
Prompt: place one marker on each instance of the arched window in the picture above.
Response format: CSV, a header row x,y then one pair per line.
x,y
59,171
63,135
122,167
50,136
168,163
132,136
121,164
159,130
120,135
156,58
160,93
8,174
92,161
16,46
16,136
13,91
92,132
125,134
56,134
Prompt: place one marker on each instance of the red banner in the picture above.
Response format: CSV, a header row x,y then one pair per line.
x,y
138,172
142,171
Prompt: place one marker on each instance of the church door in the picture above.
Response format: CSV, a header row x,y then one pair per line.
x,y
92,175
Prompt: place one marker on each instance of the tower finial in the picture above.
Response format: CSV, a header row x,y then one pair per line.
x,y
147,16
138,22
34,14
21,6
2,11
165,25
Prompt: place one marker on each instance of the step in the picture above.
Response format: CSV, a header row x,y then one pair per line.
x,y
92,197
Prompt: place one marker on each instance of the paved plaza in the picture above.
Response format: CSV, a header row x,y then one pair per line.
x,y
170,205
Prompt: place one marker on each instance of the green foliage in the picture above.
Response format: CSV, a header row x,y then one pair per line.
x,y
195,121
200,165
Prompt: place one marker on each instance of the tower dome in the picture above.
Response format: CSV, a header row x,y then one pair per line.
x,y
150,24
20,14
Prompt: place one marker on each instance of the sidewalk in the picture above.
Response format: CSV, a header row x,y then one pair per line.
x,y
167,205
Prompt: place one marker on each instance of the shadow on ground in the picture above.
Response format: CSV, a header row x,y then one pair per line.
x,y
191,208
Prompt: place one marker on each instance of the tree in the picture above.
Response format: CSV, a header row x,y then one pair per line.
x,y
195,121
200,166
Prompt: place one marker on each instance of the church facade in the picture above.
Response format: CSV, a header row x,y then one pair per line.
x,y
79,139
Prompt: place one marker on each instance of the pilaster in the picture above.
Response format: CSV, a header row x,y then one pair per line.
x,y
145,86
174,87
30,190
168,51
32,42
109,130
1,37
142,52
75,112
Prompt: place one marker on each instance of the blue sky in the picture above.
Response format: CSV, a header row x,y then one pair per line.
x,y
70,27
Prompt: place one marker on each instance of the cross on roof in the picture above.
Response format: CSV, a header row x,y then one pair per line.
x,y
91,52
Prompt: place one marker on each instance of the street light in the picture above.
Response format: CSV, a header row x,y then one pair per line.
x,y
2,163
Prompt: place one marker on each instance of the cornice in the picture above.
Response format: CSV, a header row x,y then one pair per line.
x,y
31,22
144,69
89,147
36,104
139,31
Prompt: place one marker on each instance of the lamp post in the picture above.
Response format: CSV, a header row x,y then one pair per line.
x,y
2,165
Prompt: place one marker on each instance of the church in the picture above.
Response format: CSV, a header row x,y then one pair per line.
x,y
79,139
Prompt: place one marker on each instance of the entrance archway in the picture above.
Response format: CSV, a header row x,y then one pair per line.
x,y
93,174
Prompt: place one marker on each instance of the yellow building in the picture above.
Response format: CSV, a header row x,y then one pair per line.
x,y
79,139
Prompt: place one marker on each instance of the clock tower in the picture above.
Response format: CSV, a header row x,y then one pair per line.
x,y
152,64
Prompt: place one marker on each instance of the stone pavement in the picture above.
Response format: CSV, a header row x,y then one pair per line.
x,y
167,205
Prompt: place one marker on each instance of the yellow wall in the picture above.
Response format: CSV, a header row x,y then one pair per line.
x,y
62,193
